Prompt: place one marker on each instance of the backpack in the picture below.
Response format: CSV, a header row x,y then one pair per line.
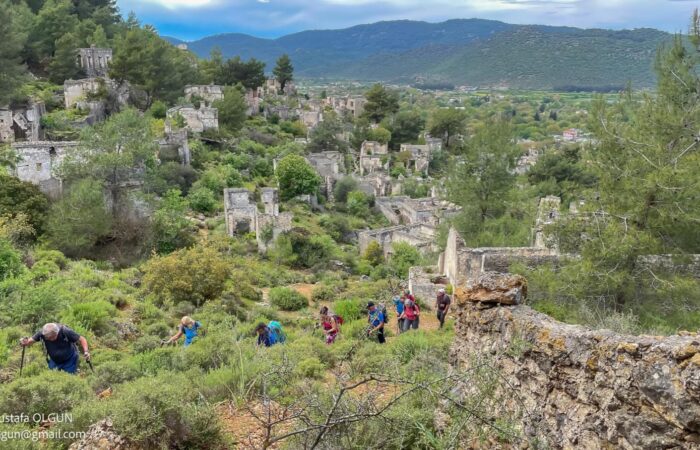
x,y
339,320
383,310
276,333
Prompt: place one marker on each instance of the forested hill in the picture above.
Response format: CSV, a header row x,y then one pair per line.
x,y
473,52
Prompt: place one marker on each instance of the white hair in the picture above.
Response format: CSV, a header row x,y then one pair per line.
x,y
50,329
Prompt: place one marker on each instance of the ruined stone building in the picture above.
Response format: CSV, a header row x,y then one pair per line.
x,y
527,161
23,123
176,141
253,101
311,119
242,215
547,214
38,164
378,184
196,120
419,159
331,167
374,157
420,236
352,105
273,87
80,93
207,94
94,62
406,210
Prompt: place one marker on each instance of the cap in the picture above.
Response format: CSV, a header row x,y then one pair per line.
x,y
370,304
441,291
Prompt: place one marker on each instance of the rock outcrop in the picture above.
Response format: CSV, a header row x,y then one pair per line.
x,y
579,388
101,436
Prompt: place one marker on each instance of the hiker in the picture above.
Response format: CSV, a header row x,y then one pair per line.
x,y
411,315
376,320
189,328
330,324
266,336
408,296
60,346
442,305
399,304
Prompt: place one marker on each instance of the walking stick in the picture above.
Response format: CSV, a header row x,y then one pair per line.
x,y
90,364
21,364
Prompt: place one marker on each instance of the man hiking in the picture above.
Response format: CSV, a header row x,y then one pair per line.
x,y
188,327
411,315
330,324
376,320
399,304
442,305
60,345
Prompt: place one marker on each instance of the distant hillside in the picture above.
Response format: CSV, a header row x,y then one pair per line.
x,y
473,51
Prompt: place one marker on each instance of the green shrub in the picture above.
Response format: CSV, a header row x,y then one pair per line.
x,y
49,392
92,316
287,299
146,344
10,261
323,293
310,368
203,200
350,310
164,412
111,373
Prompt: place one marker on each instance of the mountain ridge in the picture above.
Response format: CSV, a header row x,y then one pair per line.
x,y
457,51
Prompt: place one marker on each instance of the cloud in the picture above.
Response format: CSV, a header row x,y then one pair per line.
x,y
190,19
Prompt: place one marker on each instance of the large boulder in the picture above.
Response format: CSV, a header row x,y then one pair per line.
x,y
494,288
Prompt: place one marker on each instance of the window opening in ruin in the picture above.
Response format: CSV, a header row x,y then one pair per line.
x,y
52,152
38,167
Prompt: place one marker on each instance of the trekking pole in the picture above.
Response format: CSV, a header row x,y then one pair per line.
x,y
21,364
90,364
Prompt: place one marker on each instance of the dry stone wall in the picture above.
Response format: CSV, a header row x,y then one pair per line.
x,y
577,388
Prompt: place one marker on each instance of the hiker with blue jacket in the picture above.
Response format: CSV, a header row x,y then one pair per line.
x,y
60,343
188,327
399,304
376,320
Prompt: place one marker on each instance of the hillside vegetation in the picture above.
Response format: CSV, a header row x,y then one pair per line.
x,y
472,52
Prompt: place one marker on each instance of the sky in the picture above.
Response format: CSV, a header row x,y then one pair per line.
x,y
193,19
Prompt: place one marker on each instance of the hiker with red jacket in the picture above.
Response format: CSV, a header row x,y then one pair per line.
x,y
60,345
411,315
331,325
442,305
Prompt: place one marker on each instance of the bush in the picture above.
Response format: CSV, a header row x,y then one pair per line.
x,y
146,344
350,310
10,261
169,414
47,393
343,187
287,299
196,275
358,203
92,316
111,373
310,368
323,293
296,177
374,254
405,256
203,200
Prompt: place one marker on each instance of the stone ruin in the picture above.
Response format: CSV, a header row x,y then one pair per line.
x,y
572,387
374,157
420,236
311,119
377,184
420,156
547,214
196,120
94,62
415,221
22,124
38,163
207,94
352,105
242,215
330,166
406,210
176,141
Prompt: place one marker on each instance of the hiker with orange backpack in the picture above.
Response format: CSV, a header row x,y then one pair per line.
x,y
331,325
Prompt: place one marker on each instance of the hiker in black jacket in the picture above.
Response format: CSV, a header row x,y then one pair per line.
x,y
60,343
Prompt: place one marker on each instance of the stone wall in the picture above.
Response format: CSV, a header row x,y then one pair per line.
x,y
420,236
196,120
462,264
573,387
95,61
208,93
38,164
